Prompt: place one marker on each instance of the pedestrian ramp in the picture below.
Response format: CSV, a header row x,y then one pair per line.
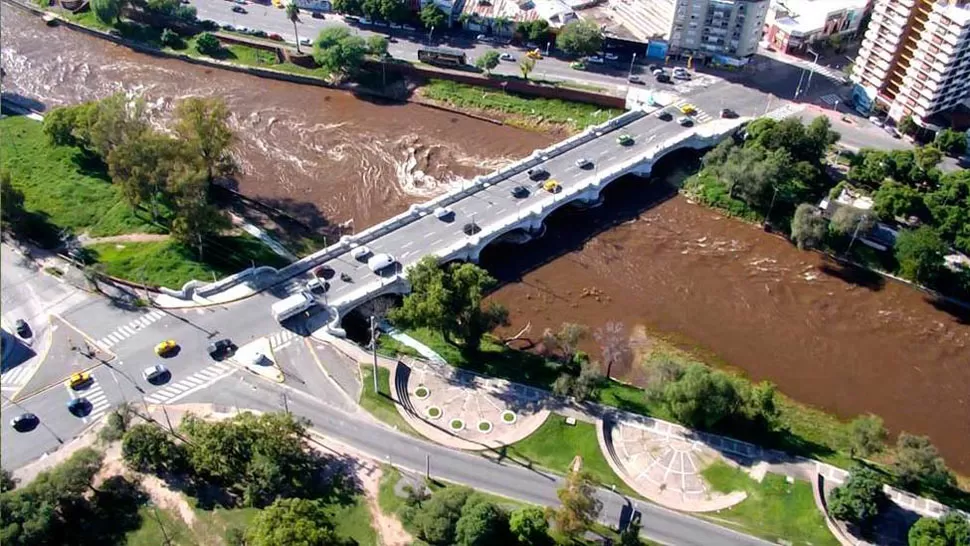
x,y
124,332
201,379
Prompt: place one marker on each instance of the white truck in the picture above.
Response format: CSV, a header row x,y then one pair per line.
x,y
292,305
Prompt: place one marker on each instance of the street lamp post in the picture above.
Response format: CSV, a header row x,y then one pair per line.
x,y
632,61
808,84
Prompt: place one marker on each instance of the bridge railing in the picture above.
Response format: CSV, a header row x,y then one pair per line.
x,y
419,210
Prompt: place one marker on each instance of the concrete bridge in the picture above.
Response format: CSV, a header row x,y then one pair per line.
x,y
485,209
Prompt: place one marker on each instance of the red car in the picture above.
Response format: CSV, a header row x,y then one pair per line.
x,y
275,37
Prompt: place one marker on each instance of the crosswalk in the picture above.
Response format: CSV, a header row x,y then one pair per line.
x,y
831,98
201,379
16,377
124,332
699,115
96,397
788,110
281,339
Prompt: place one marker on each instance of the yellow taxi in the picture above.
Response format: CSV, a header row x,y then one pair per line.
x,y
165,347
78,379
688,109
551,186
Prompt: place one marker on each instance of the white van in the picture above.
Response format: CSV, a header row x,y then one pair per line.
x,y
379,262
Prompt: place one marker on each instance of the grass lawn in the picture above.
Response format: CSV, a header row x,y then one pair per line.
x,y
159,524
63,186
381,405
354,521
522,111
774,510
169,264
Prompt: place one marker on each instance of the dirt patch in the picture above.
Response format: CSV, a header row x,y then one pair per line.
x,y
85,240
389,528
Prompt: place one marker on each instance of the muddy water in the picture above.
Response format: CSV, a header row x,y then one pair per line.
x,y
752,299
351,159
644,257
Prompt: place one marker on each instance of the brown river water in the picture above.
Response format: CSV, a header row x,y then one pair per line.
x,y
642,258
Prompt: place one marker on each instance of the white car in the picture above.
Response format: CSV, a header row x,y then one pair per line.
x,y
685,121
379,262
658,71
360,253
152,373
507,57
442,212
305,41
583,162
611,56
876,121
681,74
595,59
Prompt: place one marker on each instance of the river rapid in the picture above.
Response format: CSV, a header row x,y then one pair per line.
x,y
645,257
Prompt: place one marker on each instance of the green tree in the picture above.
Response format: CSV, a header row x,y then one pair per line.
x,y
12,211
293,522
208,44
867,435
395,11
951,142
759,404
534,31
107,11
529,525
580,37
918,463
488,61
808,226
949,208
7,481
907,126
481,524
149,449
893,199
631,535
339,52
196,220
568,338
579,506
701,398
438,516
920,254
850,220
927,157
432,17
142,167
293,14
203,126
950,530
859,499
526,66
110,123
870,168
171,39
59,125
377,46
349,7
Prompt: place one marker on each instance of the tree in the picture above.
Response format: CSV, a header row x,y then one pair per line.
x,y
907,126
488,61
208,44
850,220
953,143
147,448
526,66
449,299
949,207
867,435
349,7
395,11
580,37
808,226
7,481
171,39
12,211
568,338
529,525
338,51
918,463
293,522
293,14
481,524
859,499
110,123
579,506
203,125
631,535
107,11
534,31
927,157
701,398
614,345
143,166
438,517
759,403
432,17
950,530
893,199
920,254
377,46
871,168
196,220
502,23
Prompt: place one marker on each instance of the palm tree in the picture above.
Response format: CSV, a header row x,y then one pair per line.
x,y
501,23
293,14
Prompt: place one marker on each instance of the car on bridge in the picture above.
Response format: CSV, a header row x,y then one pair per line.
x,y
664,115
537,173
584,163
443,213
380,262
78,380
361,253
551,186
624,140
23,330
685,121
165,347
520,192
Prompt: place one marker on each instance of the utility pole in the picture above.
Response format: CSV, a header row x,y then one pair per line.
x,y
373,342
855,233
427,465
286,405
168,420
631,63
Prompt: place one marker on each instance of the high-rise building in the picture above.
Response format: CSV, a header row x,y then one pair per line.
x,y
727,31
915,58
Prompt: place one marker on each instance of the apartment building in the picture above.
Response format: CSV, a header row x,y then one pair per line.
x,y
725,31
793,26
914,59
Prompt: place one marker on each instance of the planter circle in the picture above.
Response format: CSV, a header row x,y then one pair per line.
x,y
508,417
457,424
434,412
485,426
421,392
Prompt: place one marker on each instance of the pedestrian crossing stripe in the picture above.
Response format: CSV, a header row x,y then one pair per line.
x,y
122,333
698,115
831,99
281,339
95,396
204,377
17,376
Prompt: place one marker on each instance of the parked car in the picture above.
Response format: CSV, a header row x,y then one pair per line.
x,y
535,54
276,37
154,373
633,78
317,284
876,121
507,57
305,41
315,14
681,74
165,347
23,330
520,192
663,78
577,65
595,59
652,68
239,9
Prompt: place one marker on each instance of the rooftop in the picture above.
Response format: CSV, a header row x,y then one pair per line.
x,y
808,16
556,12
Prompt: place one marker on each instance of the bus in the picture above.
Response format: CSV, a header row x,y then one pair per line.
x,y
292,306
441,57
